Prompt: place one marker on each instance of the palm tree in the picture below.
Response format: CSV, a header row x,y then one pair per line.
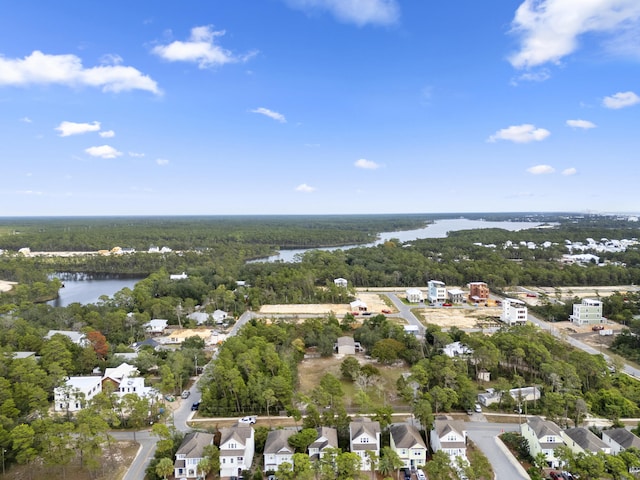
x,y
164,467
204,467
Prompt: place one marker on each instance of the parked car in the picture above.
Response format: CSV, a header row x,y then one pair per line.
x,y
355,314
185,394
407,473
421,475
250,419
386,310
555,476
195,406
478,408
447,305
596,328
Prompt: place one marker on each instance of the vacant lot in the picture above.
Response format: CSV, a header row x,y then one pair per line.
x,y
460,317
374,303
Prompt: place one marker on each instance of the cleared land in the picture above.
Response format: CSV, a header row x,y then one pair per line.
x,y
6,286
374,304
464,318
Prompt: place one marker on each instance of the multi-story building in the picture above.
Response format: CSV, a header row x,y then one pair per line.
x,y
514,312
478,292
437,292
364,435
588,312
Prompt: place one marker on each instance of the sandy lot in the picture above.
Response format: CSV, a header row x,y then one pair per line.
x,y
461,317
5,286
374,303
570,292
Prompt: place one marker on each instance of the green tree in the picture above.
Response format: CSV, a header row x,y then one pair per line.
x,y
389,461
164,467
302,467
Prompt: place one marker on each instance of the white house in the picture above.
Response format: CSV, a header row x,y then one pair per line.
x,y
408,444
455,295
75,393
346,346
199,317
277,449
456,349
76,337
219,316
514,312
190,453
583,440
358,306
543,436
237,447
364,435
587,313
414,295
619,439
180,276
437,292
156,326
327,438
451,438
340,282
126,379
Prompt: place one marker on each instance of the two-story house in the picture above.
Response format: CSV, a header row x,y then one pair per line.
x,y
414,295
583,440
408,444
76,393
190,454
237,447
364,435
450,437
543,436
277,449
619,439
514,312
327,438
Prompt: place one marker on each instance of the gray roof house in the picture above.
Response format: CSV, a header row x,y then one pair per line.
x,y
543,436
237,447
327,438
450,437
277,449
580,439
364,435
619,439
346,346
407,442
190,454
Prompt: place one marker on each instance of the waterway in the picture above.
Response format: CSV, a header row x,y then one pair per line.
x,y
438,229
85,289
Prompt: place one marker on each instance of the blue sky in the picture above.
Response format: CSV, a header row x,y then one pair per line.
x,y
318,106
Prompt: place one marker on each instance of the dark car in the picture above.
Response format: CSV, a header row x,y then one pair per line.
x,y
407,473
195,406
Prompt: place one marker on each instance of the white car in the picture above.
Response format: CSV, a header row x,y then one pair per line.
x,y
421,475
251,419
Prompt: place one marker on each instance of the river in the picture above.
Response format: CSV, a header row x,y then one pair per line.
x,y
85,289
438,229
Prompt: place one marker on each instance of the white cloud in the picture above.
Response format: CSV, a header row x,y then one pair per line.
x,y
537,76
549,29
136,155
520,134
67,129
42,69
271,114
200,49
541,169
303,187
107,134
620,100
162,161
569,171
29,192
26,120
359,12
366,164
103,151
584,124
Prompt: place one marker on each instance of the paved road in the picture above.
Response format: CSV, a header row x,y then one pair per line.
x,y
504,464
145,454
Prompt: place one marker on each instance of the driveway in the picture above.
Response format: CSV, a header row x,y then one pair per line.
x,y
504,464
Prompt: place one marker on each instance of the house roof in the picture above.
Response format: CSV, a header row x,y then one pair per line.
x,y
239,433
543,428
121,371
406,436
277,442
76,337
83,383
327,437
443,427
193,444
362,425
586,439
346,342
622,437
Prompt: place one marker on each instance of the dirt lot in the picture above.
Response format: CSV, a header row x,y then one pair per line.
x,y
374,304
461,317
570,292
5,286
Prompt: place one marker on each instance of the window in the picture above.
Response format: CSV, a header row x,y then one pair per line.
x,y
364,440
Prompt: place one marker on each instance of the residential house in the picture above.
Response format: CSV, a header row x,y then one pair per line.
x,y
514,312
358,306
588,312
408,444
75,393
583,440
156,326
190,454
455,295
340,282
149,342
180,276
478,292
364,436
489,397
346,346
414,295
456,349
412,330
543,436
277,449
619,439
525,394
436,291
78,338
327,438
219,317
126,379
199,317
237,447
450,437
